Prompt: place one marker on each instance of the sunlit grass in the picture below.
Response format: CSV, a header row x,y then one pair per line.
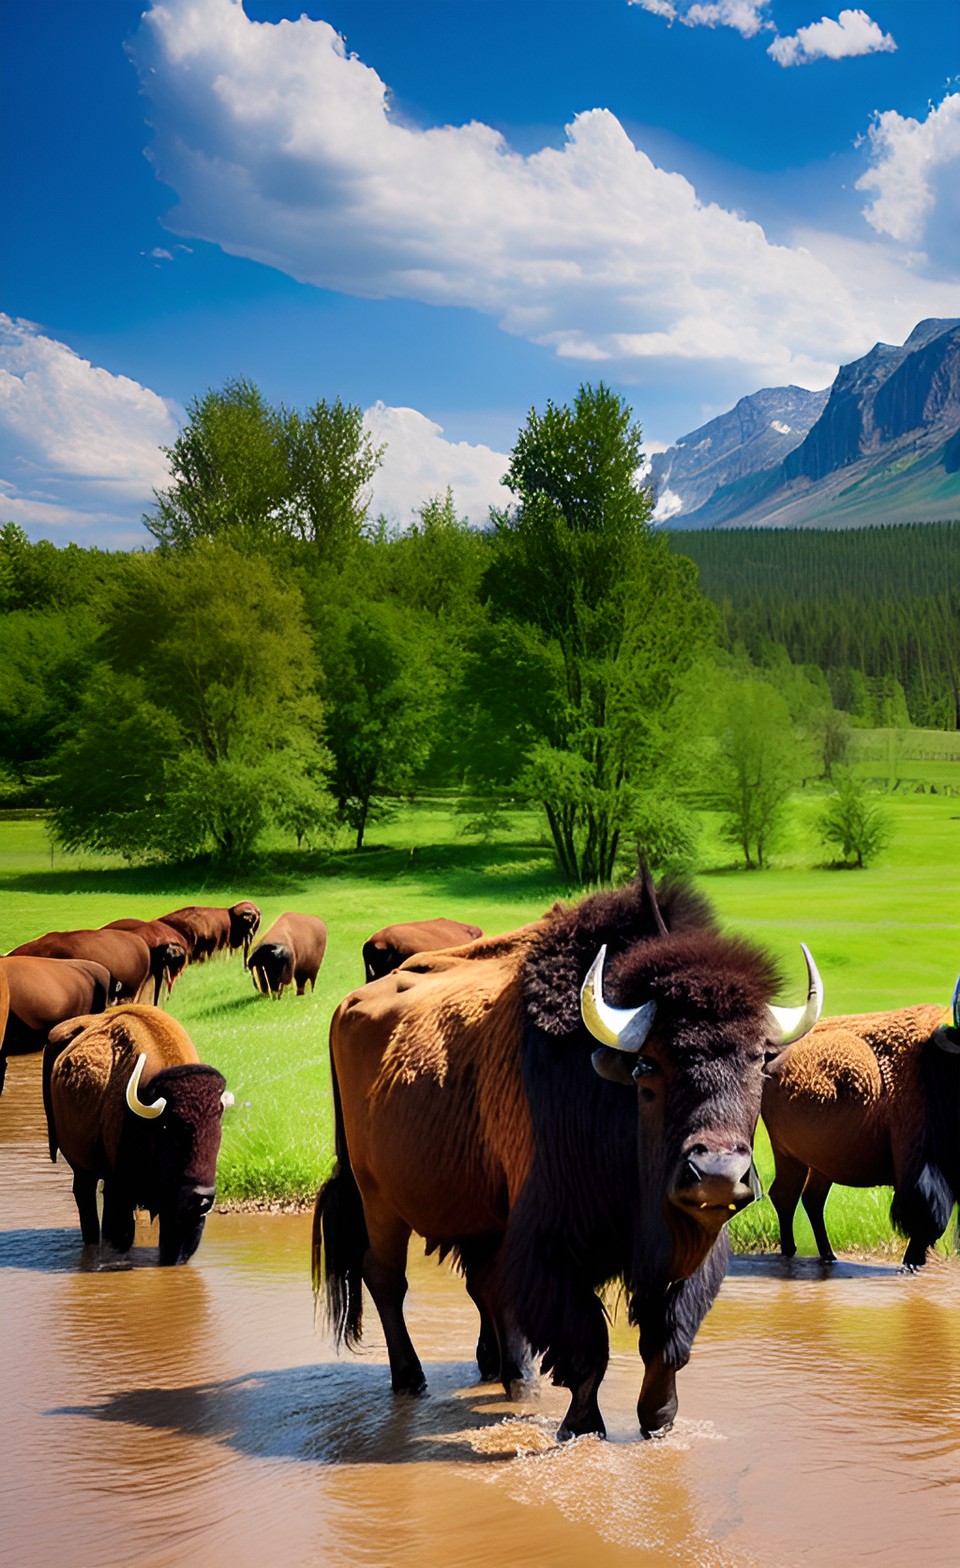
x,y
884,937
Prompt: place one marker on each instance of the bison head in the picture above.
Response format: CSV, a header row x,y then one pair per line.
x,y
168,1151
271,968
694,1052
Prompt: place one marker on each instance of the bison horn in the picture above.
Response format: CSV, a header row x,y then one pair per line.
x,y
794,1022
137,1106
625,1028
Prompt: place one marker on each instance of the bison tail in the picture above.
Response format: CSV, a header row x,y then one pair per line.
x,y
340,1240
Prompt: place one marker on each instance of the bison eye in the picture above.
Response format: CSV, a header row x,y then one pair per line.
x,y
645,1065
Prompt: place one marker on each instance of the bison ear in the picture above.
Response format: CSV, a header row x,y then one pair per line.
x,y
613,1065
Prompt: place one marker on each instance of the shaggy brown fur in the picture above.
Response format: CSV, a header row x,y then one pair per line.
x,y
468,1109
850,1103
167,1164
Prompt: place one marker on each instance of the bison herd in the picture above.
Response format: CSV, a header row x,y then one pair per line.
x,y
566,1107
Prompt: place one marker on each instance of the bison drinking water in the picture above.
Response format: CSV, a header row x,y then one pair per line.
x,y
129,1102
555,1144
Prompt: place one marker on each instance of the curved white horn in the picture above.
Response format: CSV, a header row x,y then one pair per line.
x,y
610,1025
794,1022
148,1112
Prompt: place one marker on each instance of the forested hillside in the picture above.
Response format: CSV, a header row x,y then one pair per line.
x,y
869,606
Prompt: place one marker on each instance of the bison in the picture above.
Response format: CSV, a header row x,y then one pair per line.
x,y
869,1100
493,1100
387,949
123,953
211,930
168,950
42,992
292,951
128,1100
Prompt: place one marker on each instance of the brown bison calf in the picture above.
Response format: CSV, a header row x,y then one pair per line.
x,y
869,1100
292,951
41,993
389,948
129,1102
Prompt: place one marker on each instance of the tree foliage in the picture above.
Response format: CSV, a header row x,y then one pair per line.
x,y
854,822
257,475
596,616
203,718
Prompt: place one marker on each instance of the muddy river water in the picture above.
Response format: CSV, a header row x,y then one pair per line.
x,y
193,1416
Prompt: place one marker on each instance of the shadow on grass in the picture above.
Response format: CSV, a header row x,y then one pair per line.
x,y
516,869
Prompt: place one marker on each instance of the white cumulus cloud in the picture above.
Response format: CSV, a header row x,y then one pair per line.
x,y
419,462
283,147
911,158
79,447
853,33
746,16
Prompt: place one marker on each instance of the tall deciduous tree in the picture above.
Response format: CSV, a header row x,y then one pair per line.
x,y
243,470
204,716
606,617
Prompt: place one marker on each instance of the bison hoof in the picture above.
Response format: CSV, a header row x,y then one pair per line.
x,y
412,1386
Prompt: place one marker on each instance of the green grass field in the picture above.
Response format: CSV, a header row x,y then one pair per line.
x,y
883,937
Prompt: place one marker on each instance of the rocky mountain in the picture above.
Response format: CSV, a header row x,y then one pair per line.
x,y
882,444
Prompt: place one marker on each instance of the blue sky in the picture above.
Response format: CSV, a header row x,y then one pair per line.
x,y
448,212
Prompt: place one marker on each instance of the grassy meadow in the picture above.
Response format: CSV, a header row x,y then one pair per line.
x,y
882,937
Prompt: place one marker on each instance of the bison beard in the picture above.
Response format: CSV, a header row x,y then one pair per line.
x,y
597,1182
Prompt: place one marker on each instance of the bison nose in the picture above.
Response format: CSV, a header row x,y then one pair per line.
x,y
198,1199
714,1181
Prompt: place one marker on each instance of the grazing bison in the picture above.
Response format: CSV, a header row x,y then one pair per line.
x,y
168,950
292,951
492,1100
389,948
210,930
42,992
124,953
869,1100
128,1100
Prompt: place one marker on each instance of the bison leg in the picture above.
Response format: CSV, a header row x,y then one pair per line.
x,y
499,1346
815,1192
657,1405
385,1276
785,1190
85,1194
118,1219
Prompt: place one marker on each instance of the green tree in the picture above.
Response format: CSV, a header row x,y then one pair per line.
x,y
381,697
257,475
605,617
741,753
203,718
854,821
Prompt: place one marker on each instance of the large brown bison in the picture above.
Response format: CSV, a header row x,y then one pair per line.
x,y
290,953
168,950
129,1102
389,948
554,1143
869,1100
42,992
210,930
124,953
